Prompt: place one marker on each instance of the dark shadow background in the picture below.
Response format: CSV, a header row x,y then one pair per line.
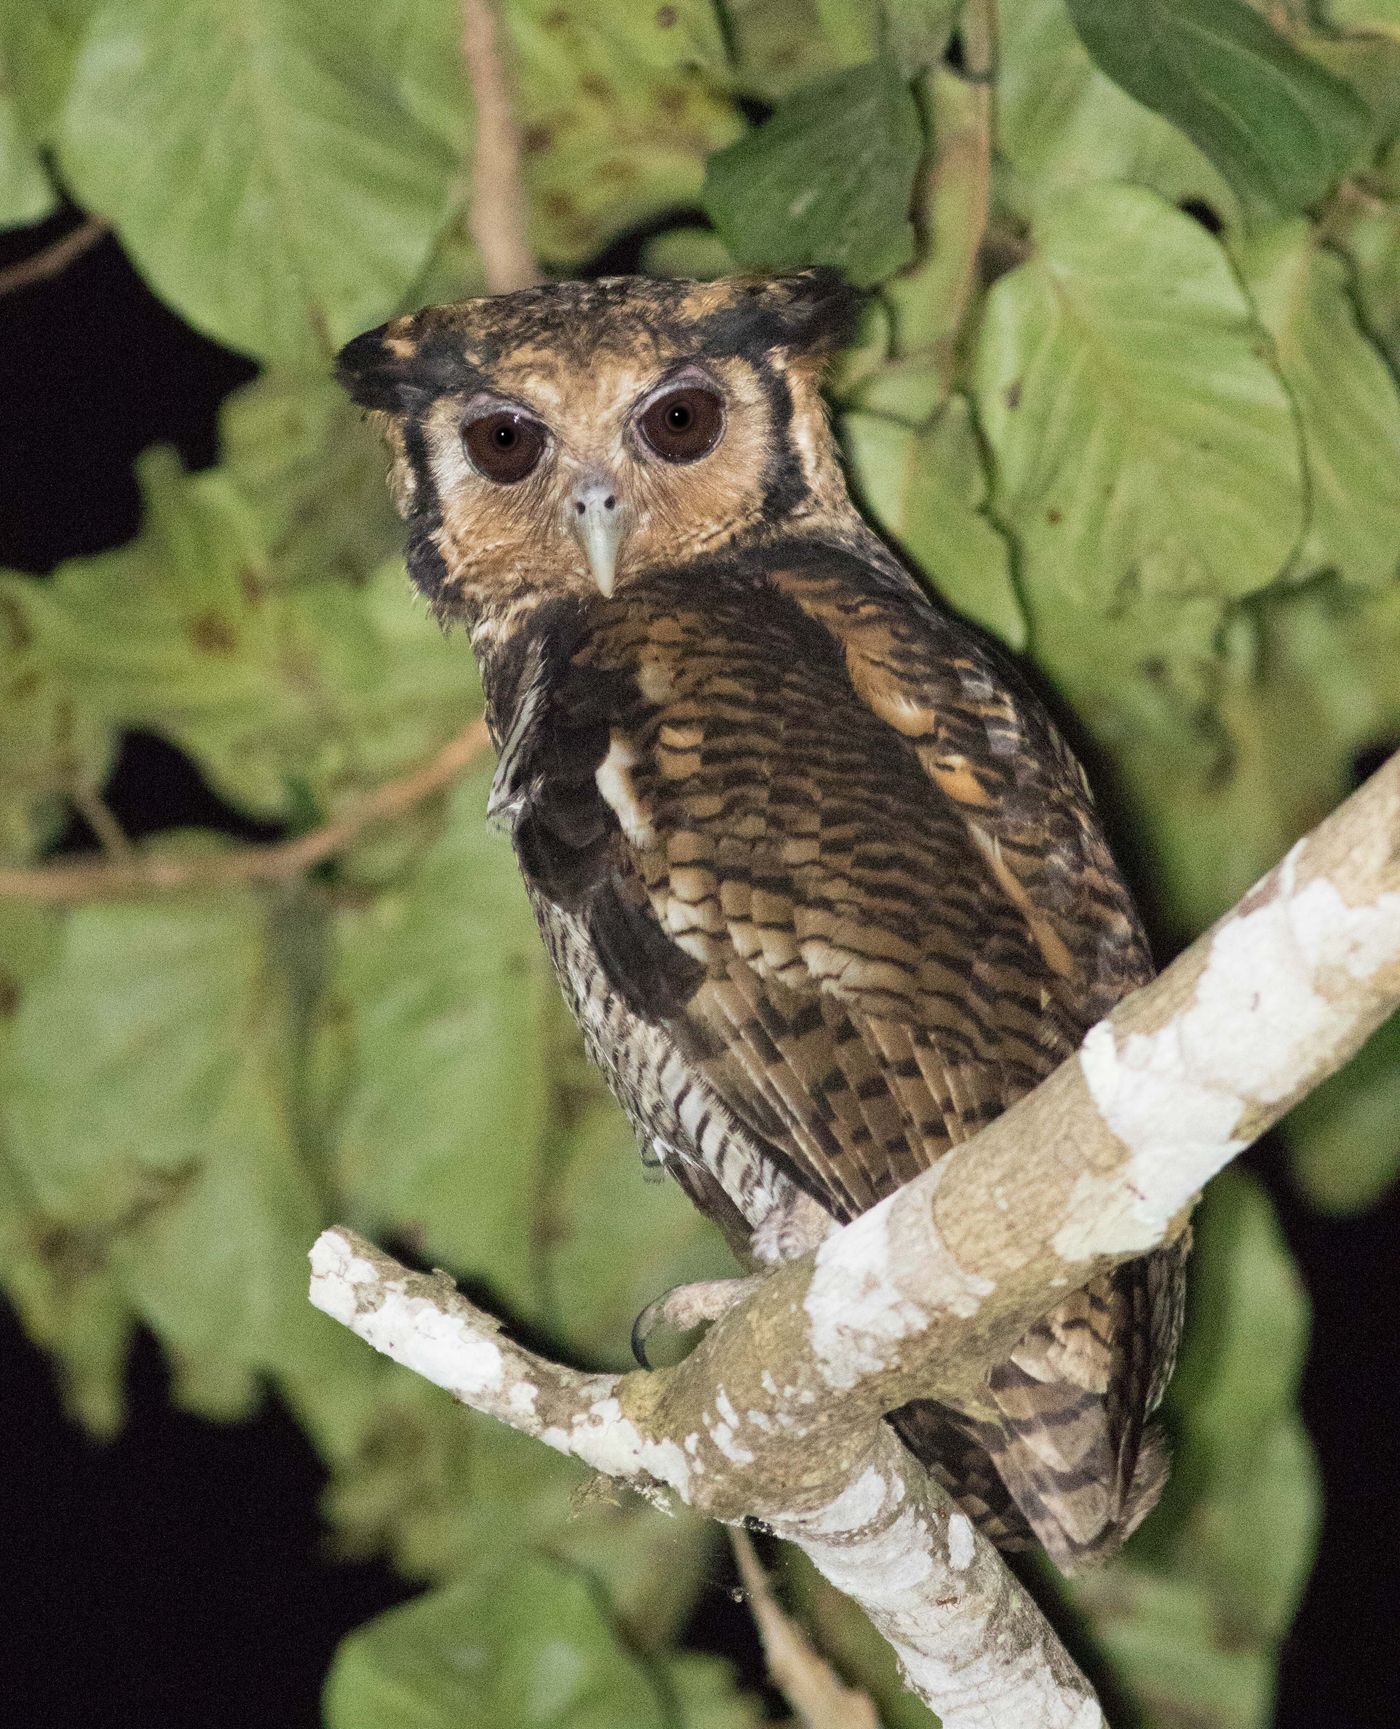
x,y
180,1575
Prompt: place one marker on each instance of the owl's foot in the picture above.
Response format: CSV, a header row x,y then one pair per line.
x,y
686,1307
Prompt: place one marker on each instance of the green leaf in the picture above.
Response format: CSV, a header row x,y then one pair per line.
x,y
26,194
64,1294
1344,1139
52,741
618,115
1193,1614
917,32
262,162
530,1647
780,45
926,490
1061,124
1309,677
1364,16
444,983
1140,441
1346,399
300,457
277,686
1279,127
38,44
827,180
146,1112
615,1235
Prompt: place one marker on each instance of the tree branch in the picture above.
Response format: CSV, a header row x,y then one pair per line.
x,y
54,259
65,881
499,218
777,1412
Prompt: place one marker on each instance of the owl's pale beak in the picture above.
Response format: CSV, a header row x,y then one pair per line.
x,y
597,525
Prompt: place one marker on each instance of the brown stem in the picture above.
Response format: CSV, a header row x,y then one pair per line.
x,y
499,214
797,1669
66,883
54,260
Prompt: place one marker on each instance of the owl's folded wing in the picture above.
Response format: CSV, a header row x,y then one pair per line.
x,y
812,851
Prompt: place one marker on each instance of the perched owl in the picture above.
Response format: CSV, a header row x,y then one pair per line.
x,y
820,880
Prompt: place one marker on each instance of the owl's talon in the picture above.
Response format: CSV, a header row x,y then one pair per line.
x,y
685,1307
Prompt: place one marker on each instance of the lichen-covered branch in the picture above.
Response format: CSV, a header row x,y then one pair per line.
x,y
777,1412
971,1641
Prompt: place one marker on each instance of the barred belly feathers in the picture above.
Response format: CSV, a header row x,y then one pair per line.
x,y
822,883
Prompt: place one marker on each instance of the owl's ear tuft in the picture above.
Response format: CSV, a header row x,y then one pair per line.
x,y
820,308
376,368
808,313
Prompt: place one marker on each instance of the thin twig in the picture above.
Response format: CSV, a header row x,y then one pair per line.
x,y
66,882
499,219
979,39
53,260
98,815
798,1670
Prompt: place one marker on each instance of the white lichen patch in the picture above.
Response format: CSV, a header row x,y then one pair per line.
x,y
859,1311
1268,999
962,1542
445,1349
611,1443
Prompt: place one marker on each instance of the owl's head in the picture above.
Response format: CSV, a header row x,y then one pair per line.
x,y
564,437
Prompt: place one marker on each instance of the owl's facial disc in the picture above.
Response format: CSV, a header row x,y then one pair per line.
x,y
596,522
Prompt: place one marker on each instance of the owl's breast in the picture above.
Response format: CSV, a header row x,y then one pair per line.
x,y
672,1108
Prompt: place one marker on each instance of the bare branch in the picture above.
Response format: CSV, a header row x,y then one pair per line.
x,y
798,1670
777,1413
499,217
53,260
65,882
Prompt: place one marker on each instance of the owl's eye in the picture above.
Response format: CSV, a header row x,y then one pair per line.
x,y
504,445
684,424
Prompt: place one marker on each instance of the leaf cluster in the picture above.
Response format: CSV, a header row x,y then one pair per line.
x,y
1125,395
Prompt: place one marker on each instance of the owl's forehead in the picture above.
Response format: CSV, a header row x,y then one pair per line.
x,y
586,348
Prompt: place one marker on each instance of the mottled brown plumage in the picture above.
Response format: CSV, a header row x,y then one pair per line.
x,y
821,881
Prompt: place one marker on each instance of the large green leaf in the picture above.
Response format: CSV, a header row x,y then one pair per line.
x,y
63,1291
779,45
1345,1137
1062,124
1309,678
530,1646
444,1125
1140,441
283,690
827,180
53,741
147,1114
618,117
1280,127
927,490
26,194
1346,399
262,162
1193,1614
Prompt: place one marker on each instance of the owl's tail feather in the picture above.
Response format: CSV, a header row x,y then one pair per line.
x,y
999,1476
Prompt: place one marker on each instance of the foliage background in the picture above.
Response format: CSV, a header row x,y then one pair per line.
x,y
1125,394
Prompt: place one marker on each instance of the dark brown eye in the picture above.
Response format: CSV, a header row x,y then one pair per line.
x,y
504,445
684,424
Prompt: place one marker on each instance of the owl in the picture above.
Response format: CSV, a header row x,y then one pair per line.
x,y
823,885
